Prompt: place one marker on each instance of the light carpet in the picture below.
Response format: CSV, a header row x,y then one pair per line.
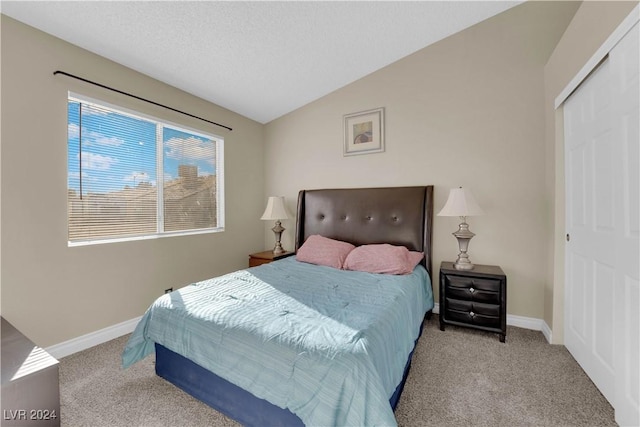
x,y
459,377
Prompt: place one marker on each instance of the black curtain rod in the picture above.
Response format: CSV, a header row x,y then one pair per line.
x,y
139,98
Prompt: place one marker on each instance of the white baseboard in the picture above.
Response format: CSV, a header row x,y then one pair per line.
x,y
524,322
546,331
92,339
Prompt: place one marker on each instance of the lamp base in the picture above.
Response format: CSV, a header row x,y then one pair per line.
x,y
464,236
277,230
462,264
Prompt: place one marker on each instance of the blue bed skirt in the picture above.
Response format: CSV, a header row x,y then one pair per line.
x,y
230,399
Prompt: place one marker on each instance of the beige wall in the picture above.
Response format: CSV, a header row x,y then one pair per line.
x,y
466,111
590,27
54,293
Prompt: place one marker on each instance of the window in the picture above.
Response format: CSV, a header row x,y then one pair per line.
x,y
134,176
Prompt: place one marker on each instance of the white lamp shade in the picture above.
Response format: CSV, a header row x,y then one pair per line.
x,y
460,203
275,209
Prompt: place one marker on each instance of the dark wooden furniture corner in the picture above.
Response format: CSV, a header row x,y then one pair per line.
x,y
266,257
474,298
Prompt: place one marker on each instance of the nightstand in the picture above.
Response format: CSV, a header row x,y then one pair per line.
x,y
474,298
265,257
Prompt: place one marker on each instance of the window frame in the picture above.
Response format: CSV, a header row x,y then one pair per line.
x,y
159,158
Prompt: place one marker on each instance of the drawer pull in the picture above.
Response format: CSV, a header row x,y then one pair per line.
x,y
471,290
471,313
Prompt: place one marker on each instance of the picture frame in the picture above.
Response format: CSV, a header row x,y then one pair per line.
x,y
364,132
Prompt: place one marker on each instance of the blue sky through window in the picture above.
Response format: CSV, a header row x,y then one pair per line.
x,y
185,148
119,151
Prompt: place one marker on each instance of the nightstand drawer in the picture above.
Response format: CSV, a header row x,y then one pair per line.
x,y
254,262
491,285
472,307
473,318
473,294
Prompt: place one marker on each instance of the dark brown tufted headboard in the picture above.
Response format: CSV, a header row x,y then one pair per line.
x,y
394,215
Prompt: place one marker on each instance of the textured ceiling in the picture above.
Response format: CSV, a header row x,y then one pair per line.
x,y
259,59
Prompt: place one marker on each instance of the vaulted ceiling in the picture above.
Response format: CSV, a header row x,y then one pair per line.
x,y
260,59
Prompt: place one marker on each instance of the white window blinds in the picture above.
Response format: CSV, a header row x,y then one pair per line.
x,y
131,175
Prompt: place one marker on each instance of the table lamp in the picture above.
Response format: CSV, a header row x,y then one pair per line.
x,y
461,203
276,211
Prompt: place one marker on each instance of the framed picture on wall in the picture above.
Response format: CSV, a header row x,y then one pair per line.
x,y
364,132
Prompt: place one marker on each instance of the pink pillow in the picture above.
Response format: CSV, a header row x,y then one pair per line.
x,y
382,258
324,251
413,258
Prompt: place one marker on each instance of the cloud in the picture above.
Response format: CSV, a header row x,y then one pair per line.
x,y
94,161
92,138
76,175
73,130
108,140
137,177
190,148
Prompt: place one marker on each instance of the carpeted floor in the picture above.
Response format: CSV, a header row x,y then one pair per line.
x,y
460,377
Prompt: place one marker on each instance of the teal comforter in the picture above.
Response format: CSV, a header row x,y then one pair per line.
x,y
327,344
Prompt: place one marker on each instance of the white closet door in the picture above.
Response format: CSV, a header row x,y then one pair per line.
x,y
602,286
590,258
625,70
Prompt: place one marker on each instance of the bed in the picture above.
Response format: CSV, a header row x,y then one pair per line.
x,y
293,343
